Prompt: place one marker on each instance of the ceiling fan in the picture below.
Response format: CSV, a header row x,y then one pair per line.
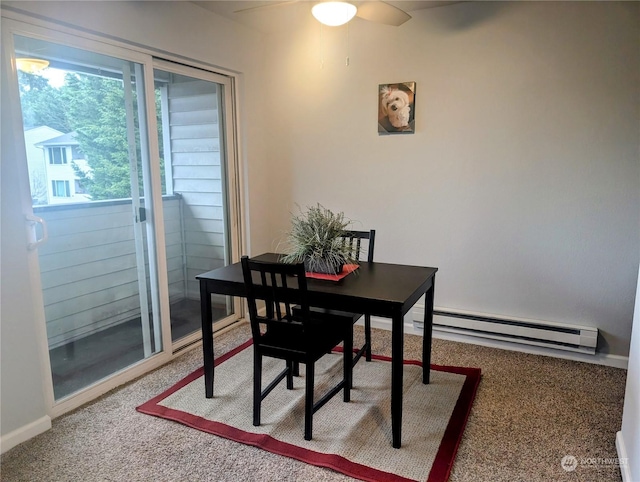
x,y
334,13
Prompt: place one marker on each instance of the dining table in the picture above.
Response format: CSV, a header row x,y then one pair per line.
x,y
385,290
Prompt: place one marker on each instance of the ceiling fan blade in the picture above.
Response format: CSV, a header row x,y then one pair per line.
x,y
382,12
265,5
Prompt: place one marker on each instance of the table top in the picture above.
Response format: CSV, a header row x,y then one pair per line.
x,y
380,289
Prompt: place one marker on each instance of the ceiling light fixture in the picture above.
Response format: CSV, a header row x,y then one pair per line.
x,y
334,13
31,66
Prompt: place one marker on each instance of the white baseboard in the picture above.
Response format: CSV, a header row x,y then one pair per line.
x,y
615,361
625,470
24,433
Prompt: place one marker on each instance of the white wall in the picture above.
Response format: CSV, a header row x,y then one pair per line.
x,y
628,439
179,28
521,183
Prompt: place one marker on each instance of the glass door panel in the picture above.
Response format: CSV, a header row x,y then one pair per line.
x,y
190,106
85,132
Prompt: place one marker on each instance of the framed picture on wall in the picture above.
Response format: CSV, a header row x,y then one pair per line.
x,y
396,108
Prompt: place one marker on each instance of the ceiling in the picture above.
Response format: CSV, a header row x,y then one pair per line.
x,y
283,15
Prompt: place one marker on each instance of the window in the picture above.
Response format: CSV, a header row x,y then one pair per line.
x,y
60,188
76,153
57,155
79,187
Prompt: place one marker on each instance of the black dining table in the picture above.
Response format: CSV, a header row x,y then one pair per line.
x,y
378,289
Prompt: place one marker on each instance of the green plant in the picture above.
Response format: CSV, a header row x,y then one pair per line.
x,y
316,238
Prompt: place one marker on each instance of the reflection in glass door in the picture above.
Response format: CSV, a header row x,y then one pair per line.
x,y
191,114
85,132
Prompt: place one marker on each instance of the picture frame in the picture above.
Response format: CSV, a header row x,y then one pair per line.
x,y
396,108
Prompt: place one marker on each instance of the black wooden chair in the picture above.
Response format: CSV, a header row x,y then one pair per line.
x,y
355,240
295,338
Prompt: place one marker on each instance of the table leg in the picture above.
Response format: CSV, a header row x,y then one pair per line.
x,y
428,332
207,338
397,358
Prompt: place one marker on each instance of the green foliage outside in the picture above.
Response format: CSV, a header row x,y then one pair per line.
x,y
93,107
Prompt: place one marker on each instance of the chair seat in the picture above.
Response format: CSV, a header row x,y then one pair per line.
x,y
324,314
286,344
337,314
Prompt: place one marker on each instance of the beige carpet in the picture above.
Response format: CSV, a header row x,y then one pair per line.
x,y
358,432
530,411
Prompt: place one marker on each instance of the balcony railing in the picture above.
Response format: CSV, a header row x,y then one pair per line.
x,y
89,266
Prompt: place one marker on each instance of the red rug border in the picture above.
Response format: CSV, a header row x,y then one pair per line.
x,y
442,465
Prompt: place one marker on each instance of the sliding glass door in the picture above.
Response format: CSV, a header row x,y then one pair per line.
x,y
133,190
85,128
194,150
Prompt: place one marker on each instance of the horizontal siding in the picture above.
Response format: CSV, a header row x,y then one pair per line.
x,y
192,87
85,272
197,176
98,208
204,225
175,264
202,198
97,285
205,251
201,265
204,212
72,243
79,226
96,319
174,250
173,238
172,224
55,261
196,159
215,239
192,103
198,117
207,144
98,305
195,131
200,186
197,172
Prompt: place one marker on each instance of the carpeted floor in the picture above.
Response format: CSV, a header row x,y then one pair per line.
x,y
530,412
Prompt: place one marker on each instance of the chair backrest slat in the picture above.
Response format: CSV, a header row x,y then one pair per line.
x,y
279,284
353,240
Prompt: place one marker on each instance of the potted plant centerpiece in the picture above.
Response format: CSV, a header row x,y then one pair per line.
x,y
316,238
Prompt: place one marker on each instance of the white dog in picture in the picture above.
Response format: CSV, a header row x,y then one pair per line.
x,y
395,105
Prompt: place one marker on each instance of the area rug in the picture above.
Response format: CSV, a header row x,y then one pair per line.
x,y
352,438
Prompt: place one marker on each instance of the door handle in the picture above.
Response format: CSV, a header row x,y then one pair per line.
x,y
32,219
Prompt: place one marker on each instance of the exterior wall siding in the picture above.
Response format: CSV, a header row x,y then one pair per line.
x,y
88,266
197,176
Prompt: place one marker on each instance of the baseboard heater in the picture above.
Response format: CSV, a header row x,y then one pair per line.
x,y
575,338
